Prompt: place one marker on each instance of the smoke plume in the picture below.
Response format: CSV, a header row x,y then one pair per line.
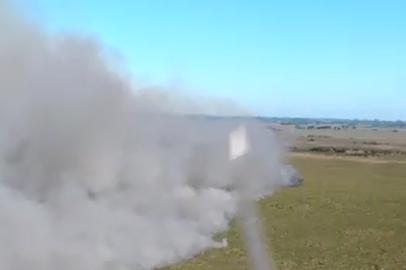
x,y
96,175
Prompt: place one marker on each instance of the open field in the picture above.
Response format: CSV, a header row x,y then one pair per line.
x,y
347,215
362,141
379,135
359,142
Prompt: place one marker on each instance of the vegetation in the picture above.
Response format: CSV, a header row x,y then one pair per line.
x,y
347,215
314,122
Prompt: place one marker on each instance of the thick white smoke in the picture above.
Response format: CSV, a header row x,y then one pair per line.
x,y
94,176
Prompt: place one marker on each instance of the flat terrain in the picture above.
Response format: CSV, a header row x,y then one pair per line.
x,y
369,142
349,214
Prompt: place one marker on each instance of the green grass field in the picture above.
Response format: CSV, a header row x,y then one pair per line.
x,y
347,215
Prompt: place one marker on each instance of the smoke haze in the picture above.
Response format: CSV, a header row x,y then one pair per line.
x,y
96,175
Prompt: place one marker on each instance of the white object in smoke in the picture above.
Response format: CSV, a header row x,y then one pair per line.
x,y
252,229
239,145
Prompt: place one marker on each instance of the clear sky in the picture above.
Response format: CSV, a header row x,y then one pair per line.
x,y
305,58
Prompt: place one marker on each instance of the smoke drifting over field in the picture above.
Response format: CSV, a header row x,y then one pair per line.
x,y
95,175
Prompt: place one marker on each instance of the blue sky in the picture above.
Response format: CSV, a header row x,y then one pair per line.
x,y
304,58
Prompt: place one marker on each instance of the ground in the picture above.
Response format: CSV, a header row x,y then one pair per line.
x,y
371,142
349,214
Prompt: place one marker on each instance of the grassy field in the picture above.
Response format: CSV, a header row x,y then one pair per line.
x,y
347,215
380,140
